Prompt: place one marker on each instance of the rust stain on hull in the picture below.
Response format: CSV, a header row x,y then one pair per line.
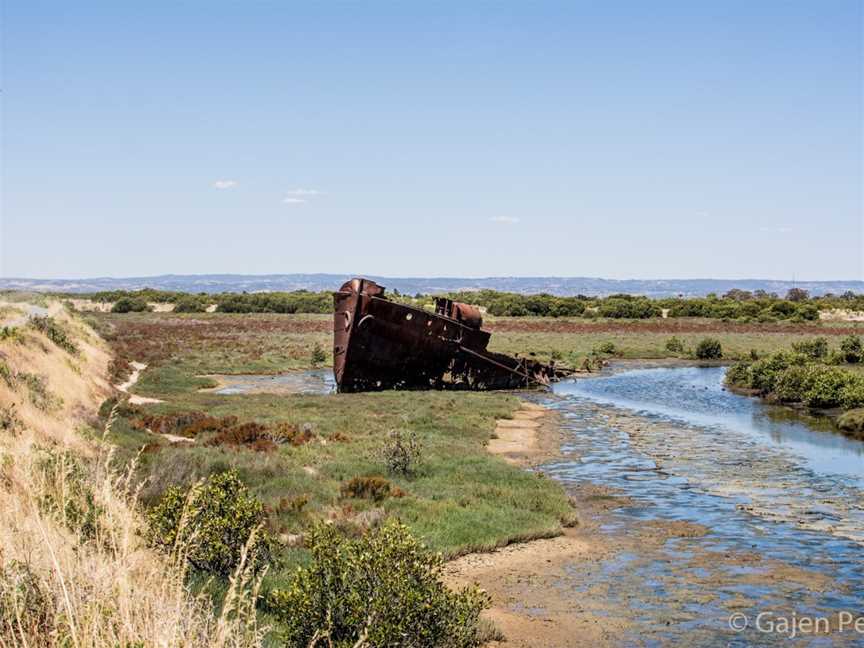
x,y
380,344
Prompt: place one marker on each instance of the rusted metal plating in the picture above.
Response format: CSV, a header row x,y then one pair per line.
x,y
380,344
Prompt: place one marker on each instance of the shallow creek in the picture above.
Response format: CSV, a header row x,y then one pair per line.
x,y
780,497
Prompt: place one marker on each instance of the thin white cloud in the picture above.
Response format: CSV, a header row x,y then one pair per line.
x,y
776,229
224,184
293,201
508,220
303,192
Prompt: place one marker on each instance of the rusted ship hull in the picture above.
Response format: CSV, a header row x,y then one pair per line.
x,y
380,344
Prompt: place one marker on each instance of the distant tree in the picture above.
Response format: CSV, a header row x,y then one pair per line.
x,y
797,295
736,294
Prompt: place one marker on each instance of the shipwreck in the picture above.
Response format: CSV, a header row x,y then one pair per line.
x,y
382,344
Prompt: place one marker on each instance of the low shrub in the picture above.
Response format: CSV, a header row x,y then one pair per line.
x,y
290,433
8,375
9,420
49,327
852,421
852,349
26,606
131,305
38,392
826,386
738,375
374,488
675,345
629,307
815,348
709,349
402,453
852,394
67,495
318,355
792,384
186,424
292,504
834,357
607,348
189,304
211,523
10,333
381,589
251,435
764,372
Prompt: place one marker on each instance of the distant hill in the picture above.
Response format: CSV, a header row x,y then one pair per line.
x,y
554,285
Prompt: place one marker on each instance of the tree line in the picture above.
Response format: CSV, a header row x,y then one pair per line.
x,y
743,305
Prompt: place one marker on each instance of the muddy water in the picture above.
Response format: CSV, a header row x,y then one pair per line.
x,y
781,500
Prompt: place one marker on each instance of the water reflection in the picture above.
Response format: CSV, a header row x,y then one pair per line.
x,y
695,395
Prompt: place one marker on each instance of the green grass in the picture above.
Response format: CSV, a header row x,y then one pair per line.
x,y
573,347
462,498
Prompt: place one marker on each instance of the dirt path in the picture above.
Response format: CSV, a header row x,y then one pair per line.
x,y
137,367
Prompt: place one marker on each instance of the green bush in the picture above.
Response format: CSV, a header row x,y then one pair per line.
x,y
607,348
299,301
54,332
131,305
8,375
835,357
852,395
625,306
189,304
318,355
381,589
852,349
709,349
739,375
792,384
675,345
815,348
807,312
826,386
764,372
212,523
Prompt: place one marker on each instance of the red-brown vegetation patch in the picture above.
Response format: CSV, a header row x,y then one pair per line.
x,y
185,424
291,504
290,433
375,488
249,435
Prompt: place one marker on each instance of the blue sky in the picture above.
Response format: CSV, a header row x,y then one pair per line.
x,y
615,139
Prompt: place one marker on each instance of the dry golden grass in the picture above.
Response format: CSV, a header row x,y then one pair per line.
x,y
68,579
